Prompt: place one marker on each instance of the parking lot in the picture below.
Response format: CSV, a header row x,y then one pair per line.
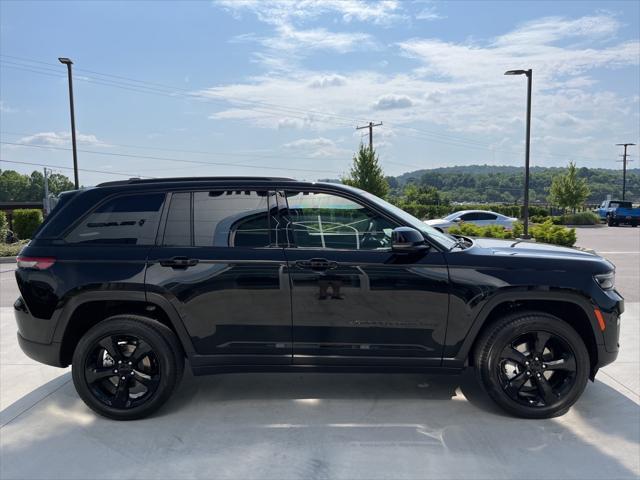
x,y
339,426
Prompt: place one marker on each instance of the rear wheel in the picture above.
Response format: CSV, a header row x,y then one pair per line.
x,y
533,364
127,366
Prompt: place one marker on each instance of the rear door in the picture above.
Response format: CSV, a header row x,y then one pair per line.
x,y
219,264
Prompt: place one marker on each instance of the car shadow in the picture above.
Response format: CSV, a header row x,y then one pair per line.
x,y
325,425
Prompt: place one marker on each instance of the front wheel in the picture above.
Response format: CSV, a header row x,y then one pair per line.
x,y
127,366
532,364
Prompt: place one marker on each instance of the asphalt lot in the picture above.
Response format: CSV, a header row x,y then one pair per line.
x,y
281,426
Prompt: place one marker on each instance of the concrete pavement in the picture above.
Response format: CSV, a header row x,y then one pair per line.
x,y
281,426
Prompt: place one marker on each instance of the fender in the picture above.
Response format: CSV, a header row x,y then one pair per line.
x,y
61,317
560,295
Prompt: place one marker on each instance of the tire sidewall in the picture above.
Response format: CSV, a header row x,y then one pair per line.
x,y
125,326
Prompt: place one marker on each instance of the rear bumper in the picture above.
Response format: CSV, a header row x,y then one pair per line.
x,y
48,354
35,336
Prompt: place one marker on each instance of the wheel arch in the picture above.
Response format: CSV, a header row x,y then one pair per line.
x,y
88,309
571,308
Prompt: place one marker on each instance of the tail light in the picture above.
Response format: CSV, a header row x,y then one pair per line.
x,y
36,263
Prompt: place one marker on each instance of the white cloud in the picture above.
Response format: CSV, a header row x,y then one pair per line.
x,y
317,147
279,11
4,108
326,81
389,102
61,139
459,88
429,13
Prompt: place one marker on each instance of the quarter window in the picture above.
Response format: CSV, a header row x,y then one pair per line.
x,y
323,220
127,220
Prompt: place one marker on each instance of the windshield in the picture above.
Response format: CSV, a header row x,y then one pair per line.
x,y
452,216
443,239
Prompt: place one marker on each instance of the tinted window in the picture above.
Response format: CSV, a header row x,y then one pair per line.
x,y
177,231
230,218
485,216
130,219
468,217
322,220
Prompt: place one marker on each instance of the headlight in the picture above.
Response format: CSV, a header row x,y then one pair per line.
x,y
606,280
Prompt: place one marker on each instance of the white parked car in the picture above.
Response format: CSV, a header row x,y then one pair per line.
x,y
480,218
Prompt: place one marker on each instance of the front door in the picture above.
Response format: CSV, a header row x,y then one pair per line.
x,y
220,266
354,301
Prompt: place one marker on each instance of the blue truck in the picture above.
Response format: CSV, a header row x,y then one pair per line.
x,y
619,212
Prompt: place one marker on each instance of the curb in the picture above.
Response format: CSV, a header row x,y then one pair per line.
x,y
7,260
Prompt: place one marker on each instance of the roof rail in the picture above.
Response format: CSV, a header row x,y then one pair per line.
x,y
190,179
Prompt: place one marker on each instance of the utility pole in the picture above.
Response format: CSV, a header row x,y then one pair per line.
x,y
370,127
624,165
68,63
46,203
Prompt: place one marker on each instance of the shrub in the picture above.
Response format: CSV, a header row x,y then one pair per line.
x,y
581,218
3,227
12,249
547,232
26,222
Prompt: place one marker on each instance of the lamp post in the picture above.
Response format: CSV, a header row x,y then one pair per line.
x,y
68,63
525,213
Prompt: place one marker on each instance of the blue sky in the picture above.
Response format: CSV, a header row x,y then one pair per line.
x,y
277,87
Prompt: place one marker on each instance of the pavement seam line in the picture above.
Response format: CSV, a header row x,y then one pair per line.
x,y
621,384
31,406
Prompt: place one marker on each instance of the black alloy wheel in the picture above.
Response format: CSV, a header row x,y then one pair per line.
x,y
537,369
127,366
122,371
532,364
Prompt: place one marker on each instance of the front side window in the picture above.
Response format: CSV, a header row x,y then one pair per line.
x,y
485,216
324,220
124,220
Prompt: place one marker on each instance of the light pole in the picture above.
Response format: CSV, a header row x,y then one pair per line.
x,y
525,213
68,63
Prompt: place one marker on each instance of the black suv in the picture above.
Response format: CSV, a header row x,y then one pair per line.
x,y
126,280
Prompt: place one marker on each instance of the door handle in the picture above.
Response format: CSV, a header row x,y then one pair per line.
x,y
178,262
316,264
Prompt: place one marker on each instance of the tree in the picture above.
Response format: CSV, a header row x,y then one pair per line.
x,y
17,187
366,173
568,190
423,195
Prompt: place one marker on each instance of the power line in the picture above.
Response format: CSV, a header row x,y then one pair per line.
x,y
130,175
269,109
196,152
149,157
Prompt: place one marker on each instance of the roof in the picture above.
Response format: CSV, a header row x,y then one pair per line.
x,y
138,181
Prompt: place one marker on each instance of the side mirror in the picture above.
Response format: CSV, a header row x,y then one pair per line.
x,y
407,239
457,220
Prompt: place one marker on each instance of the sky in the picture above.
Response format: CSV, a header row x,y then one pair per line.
x,y
275,87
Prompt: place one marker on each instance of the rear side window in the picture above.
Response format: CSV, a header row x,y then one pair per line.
x,y
177,231
125,220
238,218
220,218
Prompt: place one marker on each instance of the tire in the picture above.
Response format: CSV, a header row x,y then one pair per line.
x,y
502,377
610,222
147,357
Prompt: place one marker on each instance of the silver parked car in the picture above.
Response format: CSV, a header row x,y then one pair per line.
x,y
481,218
